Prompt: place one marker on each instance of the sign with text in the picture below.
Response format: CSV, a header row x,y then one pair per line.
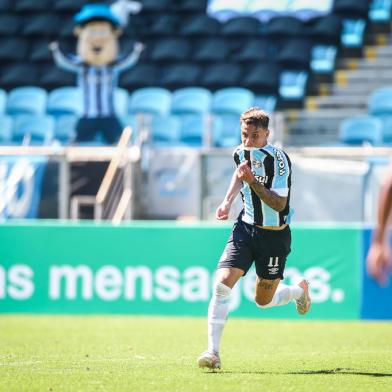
x,y
162,268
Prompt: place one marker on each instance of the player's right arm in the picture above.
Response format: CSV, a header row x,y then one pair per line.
x,y
222,212
61,60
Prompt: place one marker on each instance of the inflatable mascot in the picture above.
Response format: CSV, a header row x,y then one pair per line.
x,y
98,66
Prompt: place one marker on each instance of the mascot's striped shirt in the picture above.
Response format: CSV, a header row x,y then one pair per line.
x,y
272,167
97,83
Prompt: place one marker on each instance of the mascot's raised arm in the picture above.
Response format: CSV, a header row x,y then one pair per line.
x,y
98,66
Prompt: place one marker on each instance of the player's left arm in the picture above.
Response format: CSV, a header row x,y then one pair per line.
x,y
131,59
385,209
379,262
268,196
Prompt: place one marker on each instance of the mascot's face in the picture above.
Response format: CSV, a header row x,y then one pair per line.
x,y
97,42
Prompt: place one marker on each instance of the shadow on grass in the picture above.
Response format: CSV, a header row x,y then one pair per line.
x,y
305,372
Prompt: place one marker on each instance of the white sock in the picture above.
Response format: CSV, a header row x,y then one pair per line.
x,y
283,295
217,316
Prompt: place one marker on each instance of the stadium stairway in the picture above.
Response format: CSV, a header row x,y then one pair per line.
x,y
345,95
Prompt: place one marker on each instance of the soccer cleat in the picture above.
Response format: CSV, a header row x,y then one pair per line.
x,y
304,302
209,360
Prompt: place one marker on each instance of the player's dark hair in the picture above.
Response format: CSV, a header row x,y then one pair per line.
x,y
256,117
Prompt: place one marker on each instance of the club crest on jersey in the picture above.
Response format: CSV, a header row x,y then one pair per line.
x,y
279,157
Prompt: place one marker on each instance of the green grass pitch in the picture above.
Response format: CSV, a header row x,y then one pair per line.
x,y
120,353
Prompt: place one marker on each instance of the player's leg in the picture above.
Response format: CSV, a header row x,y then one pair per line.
x,y
274,247
86,129
111,129
235,262
218,310
270,293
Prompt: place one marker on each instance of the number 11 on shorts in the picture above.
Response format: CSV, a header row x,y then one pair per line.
x,y
271,262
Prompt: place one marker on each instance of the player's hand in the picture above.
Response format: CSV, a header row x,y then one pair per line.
x,y
134,7
379,263
53,46
244,173
222,212
139,47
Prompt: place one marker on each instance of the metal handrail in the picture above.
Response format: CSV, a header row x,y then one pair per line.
x,y
109,185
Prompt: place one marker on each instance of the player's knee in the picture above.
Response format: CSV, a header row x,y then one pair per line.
x,y
262,302
221,290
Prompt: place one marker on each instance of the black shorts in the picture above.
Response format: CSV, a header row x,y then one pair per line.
x,y
88,128
267,248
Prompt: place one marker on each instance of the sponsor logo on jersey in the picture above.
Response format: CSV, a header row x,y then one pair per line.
x,y
273,271
281,165
262,179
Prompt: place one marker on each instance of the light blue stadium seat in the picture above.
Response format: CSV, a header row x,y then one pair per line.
x,y
232,100
137,124
223,10
3,101
380,11
380,101
386,128
65,100
292,85
150,100
266,102
191,100
198,130
121,102
165,131
193,128
65,128
229,134
360,130
353,33
6,124
26,100
33,129
323,59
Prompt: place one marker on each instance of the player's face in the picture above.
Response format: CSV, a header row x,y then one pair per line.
x,y
252,136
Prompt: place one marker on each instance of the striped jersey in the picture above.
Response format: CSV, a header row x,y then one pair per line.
x,y
272,167
97,84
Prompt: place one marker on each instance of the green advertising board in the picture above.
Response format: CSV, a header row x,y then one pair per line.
x,y
162,268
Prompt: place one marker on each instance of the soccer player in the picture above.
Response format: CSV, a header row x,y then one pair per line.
x,y
379,262
261,233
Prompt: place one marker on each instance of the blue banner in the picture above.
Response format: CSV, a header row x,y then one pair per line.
x,y
376,300
20,186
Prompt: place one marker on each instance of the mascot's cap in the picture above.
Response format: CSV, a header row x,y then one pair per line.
x,y
96,11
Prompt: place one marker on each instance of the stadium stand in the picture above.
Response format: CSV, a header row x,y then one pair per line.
x,y
380,101
284,52
3,101
64,100
6,129
165,130
65,127
27,100
150,100
31,129
341,85
380,11
192,100
360,130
